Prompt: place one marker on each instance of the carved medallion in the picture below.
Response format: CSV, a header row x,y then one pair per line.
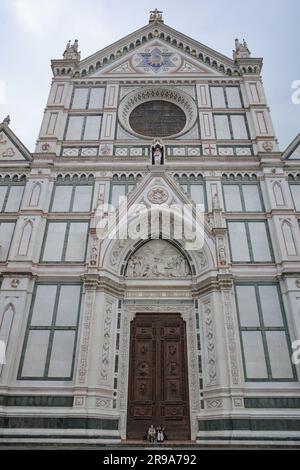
x,y
157,195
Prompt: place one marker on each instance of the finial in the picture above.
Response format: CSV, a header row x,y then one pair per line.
x,y
156,15
6,120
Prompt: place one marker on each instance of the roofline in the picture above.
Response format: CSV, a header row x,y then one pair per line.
x,y
16,141
150,27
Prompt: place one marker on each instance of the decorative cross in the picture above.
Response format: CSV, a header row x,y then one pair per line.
x,y
209,149
156,11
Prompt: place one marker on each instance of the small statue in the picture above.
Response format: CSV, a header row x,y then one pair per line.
x,y
94,256
75,45
222,255
71,51
155,15
216,202
157,156
241,50
68,46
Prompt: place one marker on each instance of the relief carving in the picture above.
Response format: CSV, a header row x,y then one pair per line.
x,y
157,259
84,347
210,345
232,346
107,342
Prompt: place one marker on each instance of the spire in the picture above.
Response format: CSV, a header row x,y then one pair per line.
x,y
241,50
156,15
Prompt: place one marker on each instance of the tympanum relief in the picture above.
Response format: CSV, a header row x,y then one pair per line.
x,y
157,259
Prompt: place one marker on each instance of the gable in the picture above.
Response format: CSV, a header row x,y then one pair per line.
x,y
293,150
156,58
195,57
11,148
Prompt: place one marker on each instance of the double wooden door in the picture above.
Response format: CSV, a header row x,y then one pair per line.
x,y
158,376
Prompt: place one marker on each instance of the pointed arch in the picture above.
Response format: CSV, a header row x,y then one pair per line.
x,y
278,194
288,236
25,238
35,195
6,324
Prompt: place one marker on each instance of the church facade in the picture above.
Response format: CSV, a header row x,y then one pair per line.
x,y
106,331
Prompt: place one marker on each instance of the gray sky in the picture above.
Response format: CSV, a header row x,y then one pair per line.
x,y
32,32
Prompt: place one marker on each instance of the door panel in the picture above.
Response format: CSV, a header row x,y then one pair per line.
x,y
158,380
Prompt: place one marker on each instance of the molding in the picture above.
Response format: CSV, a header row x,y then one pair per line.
x,y
36,400
58,422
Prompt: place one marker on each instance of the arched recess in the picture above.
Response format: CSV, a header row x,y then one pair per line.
x,y
158,259
278,194
117,253
25,238
35,195
6,323
288,236
139,221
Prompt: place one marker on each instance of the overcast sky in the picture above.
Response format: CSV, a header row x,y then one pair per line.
x,y
32,32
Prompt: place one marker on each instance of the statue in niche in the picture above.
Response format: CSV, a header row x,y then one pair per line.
x,y
157,154
222,255
216,202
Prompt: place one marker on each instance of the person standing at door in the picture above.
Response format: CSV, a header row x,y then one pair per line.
x,y
159,434
151,433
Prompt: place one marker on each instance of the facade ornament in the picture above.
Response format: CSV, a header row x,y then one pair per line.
x,y
211,372
157,156
158,196
71,51
9,152
216,202
157,259
15,283
202,259
241,50
45,147
157,153
106,342
94,253
156,15
222,255
268,146
6,120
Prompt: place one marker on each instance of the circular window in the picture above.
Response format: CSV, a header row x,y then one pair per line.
x,y
157,111
157,119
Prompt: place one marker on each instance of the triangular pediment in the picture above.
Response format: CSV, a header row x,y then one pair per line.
x,y
11,148
156,59
159,192
293,150
176,53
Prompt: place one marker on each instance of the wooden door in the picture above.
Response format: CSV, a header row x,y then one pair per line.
x,y
158,376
